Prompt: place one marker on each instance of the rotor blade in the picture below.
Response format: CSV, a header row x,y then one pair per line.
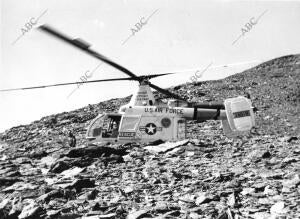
x,y
215,67
166,92
63,84
153,75
85,47
83,82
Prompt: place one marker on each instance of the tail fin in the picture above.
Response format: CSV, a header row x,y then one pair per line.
x,y
240,116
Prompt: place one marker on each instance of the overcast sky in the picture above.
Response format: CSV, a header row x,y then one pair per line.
x,y
179,35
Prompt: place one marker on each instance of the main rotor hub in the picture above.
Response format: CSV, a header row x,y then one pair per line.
x,y
144,81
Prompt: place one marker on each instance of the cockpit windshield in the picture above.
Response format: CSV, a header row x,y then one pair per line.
x,y
105,126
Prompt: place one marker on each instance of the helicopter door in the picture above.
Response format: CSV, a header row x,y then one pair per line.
x,y
129,126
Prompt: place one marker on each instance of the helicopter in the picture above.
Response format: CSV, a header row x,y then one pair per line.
x,y
146,119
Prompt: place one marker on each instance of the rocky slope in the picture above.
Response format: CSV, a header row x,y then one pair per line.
x,y
205,176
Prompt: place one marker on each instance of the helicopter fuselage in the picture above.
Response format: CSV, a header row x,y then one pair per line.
x,y
151,123
140,124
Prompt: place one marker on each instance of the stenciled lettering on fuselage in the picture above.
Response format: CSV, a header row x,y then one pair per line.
x,y
142,96
241,114
150,129
164,110
127,134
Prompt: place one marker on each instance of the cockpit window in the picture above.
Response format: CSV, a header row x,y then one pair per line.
x,y
110,128
106,126
95,127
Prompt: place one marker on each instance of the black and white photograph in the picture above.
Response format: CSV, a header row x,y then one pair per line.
x,y
139,109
